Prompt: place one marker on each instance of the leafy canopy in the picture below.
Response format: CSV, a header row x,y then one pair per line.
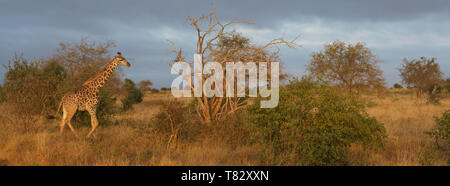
x,y
352,67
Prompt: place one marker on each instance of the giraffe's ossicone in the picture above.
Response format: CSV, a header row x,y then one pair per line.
x,y
86,97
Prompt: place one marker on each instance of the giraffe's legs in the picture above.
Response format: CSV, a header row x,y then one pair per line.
x,y
68,112
94,121
63,121
71,128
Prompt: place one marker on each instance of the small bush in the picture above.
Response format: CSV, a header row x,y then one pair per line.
x,y
447,84
313,125
435,93
441,133
154,90
177,121
132,94
397,86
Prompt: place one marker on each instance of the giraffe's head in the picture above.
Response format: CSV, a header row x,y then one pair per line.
x,y
121,60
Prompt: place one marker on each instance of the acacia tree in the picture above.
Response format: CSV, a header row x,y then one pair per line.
x,y
145,85
351,67
422,74
215,43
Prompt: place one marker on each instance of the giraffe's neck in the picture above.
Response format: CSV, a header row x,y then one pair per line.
x,y
97,81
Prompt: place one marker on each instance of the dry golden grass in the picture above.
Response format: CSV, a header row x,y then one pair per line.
x,y
132,140
406,120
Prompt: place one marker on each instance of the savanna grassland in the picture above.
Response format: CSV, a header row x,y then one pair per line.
x,y
136,138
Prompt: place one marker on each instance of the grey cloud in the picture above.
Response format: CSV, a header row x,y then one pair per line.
x,y
81,15
36,27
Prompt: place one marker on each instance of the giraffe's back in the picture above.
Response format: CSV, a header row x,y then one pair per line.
x,y
81,98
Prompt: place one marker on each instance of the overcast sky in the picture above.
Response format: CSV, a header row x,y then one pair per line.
x,y
392,29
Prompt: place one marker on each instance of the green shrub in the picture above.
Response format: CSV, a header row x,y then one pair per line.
x,y
53,76
30,88
435,93
440,148
441,132
132,94
398,85
154,90
313,125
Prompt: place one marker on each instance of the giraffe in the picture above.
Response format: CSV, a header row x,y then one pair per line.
x,y
86,97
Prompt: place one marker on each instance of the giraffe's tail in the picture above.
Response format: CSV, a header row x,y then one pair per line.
x,y
57,111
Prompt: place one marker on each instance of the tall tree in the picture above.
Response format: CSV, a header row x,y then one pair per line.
x,y
352,67
145,85
215,43
422,74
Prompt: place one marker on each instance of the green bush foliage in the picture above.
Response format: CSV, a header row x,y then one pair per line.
x,y
30,88
132,94
441,132
440,148
398,85
53,75
313,125
435,93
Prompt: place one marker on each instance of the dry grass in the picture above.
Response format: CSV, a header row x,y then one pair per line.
x,y
132,140
406,120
